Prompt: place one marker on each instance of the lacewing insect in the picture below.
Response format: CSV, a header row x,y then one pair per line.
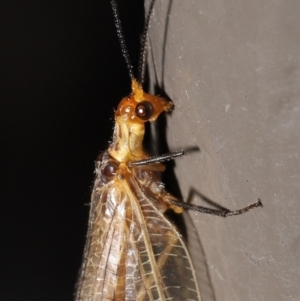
x,y
132,251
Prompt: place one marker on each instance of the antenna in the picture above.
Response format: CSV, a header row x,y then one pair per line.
x,y
143,51
121,37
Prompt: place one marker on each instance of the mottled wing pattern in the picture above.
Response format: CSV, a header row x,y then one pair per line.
x,y
133,252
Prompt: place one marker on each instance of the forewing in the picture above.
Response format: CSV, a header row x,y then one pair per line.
x,y
166,266
111,268
132,252
100,269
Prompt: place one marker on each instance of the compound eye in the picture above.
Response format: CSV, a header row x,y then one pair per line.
x,y
109,171
144,110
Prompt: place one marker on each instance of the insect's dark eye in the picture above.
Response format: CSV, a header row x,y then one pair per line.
x,y
109,171
144,110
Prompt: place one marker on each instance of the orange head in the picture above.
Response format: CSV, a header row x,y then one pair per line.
x,y
140,107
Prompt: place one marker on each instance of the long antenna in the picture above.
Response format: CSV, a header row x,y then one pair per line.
x,y
143,51
121,37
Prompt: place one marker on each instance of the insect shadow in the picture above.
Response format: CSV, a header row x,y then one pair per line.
x,y
155,142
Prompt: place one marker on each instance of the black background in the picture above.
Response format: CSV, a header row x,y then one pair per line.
x,y
62,75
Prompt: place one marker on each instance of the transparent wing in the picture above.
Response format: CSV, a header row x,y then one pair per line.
x,y
169,273
100,269
132,251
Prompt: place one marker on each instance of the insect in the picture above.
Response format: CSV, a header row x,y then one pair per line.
x,y
133,252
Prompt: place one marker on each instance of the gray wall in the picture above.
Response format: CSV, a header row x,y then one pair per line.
x,y
232,69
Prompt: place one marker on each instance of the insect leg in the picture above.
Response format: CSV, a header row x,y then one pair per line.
x,y
156,159
223,213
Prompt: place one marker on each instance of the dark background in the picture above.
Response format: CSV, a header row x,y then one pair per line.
x,y
62,75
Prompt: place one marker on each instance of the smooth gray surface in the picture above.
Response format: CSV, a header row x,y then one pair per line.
x,y
232,69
